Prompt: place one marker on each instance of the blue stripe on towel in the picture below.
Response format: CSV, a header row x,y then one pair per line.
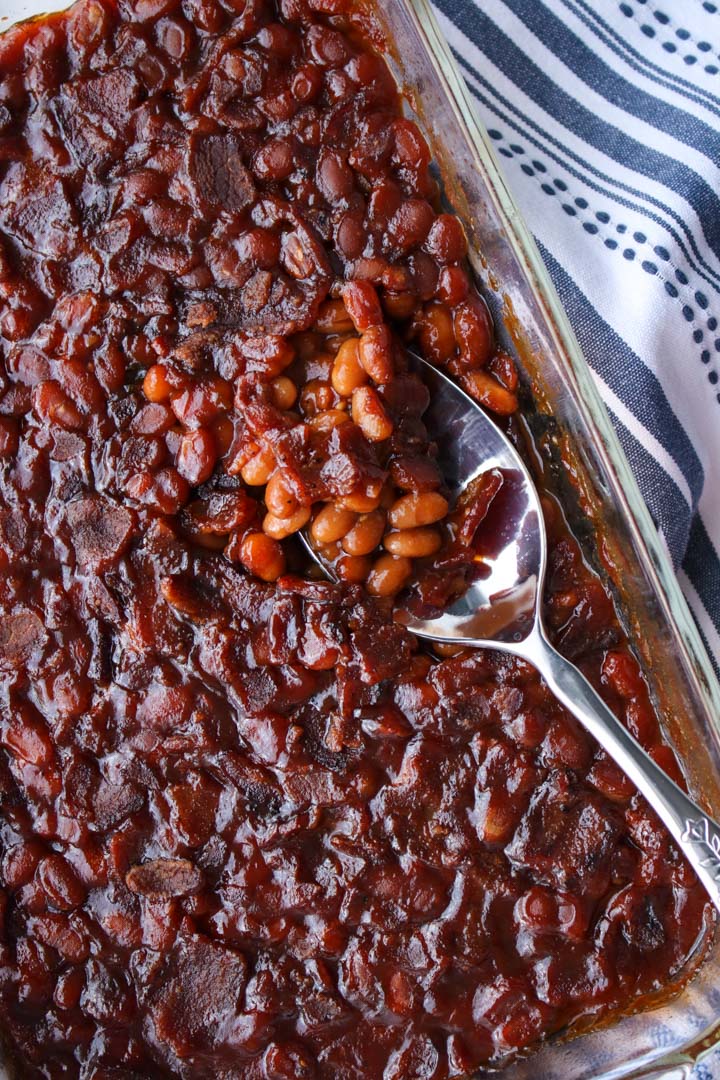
x,y
576,117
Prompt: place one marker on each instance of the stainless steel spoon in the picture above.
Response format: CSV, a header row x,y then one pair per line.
x,y
503,610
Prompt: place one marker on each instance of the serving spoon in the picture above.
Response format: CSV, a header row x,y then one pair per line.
x,y
503,609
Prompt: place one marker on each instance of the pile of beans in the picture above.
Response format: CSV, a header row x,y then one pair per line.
x,y
383,510
350,370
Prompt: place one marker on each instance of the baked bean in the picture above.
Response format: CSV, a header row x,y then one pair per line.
x,y
375,353
284,392
453,285
53,404
175,36
334,177
608,778
328,552
348,373
373,269
473,332
257,471
21,860
366,534
436,333
331,523
207,14
399,305
200,404
389,575
350,236
262,248
197,456
168,491
369,414
333,318
418,509
409,226
327,47
69,988
397,279
263,556
142,187
354,569
370,71
153,420
504,368
361,502
223,431
414,543
307,83
279,497
110,367
140,350
316,396
274,161
278,40
339,86
363,304
156,386
446,241
329,419
488,391
62,886
278,528
410,148
295,258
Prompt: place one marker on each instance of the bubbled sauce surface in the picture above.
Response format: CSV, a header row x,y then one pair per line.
x,y
248,829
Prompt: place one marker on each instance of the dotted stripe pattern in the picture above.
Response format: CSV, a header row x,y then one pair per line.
x,y
666,24
696,313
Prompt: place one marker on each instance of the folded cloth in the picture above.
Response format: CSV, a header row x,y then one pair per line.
x,y
606,116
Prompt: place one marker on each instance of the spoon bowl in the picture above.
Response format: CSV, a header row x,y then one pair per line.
x,y
501,605
502,609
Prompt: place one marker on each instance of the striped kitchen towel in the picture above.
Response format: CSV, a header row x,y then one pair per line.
x,y
606,115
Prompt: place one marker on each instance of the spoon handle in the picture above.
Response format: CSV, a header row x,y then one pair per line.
x,y
696,834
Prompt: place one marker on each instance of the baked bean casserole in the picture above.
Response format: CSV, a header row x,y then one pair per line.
x,y
252,828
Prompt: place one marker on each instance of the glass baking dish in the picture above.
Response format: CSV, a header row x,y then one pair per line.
x,y
667,1037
